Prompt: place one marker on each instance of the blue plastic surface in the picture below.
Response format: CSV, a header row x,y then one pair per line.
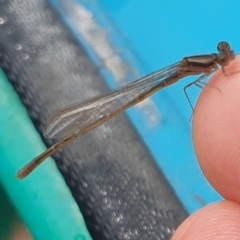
x,y
149,35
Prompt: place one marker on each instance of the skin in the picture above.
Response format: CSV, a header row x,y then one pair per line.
x,y
216,138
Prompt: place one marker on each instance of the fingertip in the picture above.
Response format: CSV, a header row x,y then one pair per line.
x,y
216,221
216,131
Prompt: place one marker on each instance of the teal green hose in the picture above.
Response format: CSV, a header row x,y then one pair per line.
x,y
42,200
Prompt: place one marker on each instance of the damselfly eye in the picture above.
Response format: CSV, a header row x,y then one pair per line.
x,y
223,47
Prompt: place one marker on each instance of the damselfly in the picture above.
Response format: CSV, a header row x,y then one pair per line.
x,y
73,121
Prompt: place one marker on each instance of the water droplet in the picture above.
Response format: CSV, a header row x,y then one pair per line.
x,y
104,193
40,52
25,56
85,185
32,50
18,46
1,20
